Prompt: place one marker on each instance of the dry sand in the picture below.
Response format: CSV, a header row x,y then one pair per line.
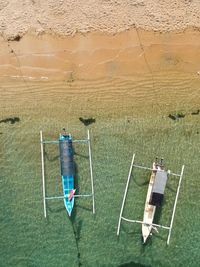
x,y
110,16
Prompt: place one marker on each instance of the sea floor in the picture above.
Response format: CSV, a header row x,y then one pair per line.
x,y
131,115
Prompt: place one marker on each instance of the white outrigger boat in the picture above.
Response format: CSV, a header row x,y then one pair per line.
x,y
154,197
155,194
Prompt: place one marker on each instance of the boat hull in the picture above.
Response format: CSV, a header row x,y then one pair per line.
x,y
67,170
149,211
68,186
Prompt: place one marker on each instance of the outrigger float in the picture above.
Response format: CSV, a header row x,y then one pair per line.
x,y
65,143
154,198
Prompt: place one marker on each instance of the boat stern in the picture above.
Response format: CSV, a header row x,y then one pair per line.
x,y
146,231
144,239
69,206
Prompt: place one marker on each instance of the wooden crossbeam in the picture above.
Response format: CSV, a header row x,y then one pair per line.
x,y
51,142
66,196
150,169
80,141
141,222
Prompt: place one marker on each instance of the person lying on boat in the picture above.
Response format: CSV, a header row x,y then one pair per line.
x,y
156,166
65,134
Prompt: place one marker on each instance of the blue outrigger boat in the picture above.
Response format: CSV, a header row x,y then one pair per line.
x,y
67,170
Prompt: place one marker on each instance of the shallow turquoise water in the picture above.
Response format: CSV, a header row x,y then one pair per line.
x,y
27,239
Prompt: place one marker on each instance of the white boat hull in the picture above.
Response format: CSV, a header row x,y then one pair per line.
x,y
149,211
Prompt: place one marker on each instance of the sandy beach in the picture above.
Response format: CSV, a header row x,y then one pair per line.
x,y
108,16
69,40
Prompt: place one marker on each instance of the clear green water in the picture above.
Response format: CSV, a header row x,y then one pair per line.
x,y
125,123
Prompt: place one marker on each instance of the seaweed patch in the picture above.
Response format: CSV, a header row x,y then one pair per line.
x,y
176,116
133,264
88,121
196,112
77,229
12,120
16,38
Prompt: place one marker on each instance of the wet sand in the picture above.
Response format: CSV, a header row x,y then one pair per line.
x,y
96,55
129,72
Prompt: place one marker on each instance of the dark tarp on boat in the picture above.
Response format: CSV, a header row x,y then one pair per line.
x,y
66,158
158,189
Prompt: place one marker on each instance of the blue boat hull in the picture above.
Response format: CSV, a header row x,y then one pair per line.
x,y
68,185
67,170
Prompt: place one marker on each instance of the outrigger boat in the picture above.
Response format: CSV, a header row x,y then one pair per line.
x,y
155,194
67,167
154,197
67,170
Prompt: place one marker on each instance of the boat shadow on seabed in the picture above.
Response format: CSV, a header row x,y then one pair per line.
x,y
77,224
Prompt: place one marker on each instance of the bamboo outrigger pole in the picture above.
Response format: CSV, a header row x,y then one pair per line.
x,y
125,193
174,209
43,174
91,171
